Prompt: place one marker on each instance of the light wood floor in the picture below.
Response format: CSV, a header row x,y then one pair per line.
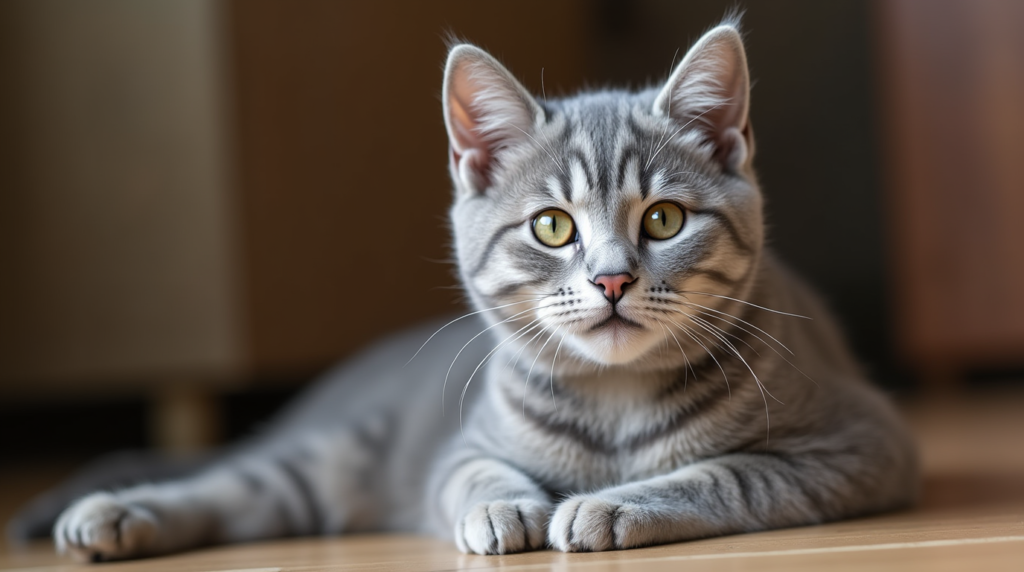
x,y
971,518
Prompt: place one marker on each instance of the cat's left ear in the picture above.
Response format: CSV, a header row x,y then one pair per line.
x,y
710,91
486,112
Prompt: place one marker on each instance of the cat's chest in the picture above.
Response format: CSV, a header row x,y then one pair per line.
x,y
573,446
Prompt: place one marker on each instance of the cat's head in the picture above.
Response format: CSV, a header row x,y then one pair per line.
x,y
596,218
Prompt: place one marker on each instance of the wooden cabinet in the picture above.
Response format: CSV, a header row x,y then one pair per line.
x,y
953,102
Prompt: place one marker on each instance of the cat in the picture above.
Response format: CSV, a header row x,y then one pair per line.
x,y
638,368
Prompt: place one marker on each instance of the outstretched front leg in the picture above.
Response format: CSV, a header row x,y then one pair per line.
x,y
308,484
730,494
494,508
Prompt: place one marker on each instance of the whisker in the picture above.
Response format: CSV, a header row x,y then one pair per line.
x,y
724,333
725,376
676,132
543,148
519,337
736,352
447,375
551,378
685,292
686,362
468,315
668,113
757,382
759,338
465,388
519,352
728,315
530,373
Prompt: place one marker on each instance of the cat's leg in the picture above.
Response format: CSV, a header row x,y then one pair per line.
x,y
730,494
495,509
308,484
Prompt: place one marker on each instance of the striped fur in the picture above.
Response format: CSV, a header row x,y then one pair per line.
x,y
675,413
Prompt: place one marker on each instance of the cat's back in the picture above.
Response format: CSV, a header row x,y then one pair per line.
x,y
399,375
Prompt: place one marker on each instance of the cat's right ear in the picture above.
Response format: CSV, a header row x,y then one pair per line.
x,y
486,112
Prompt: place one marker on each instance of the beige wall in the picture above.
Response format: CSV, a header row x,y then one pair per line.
x,y
117,264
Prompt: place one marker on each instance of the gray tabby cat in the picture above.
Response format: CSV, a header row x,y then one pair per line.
x,y
622,383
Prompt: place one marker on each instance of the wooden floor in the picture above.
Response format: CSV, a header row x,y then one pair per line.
x,y
971,518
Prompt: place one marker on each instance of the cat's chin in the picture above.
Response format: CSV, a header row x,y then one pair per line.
x,y
614,343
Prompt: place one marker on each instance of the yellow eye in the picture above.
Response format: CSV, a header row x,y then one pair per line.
x,y
554,228
663,221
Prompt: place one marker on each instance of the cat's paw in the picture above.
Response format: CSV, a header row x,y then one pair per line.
x,y
590,523
502,527
99,527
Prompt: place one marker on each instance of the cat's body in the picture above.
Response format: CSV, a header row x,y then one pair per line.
x,y
645,373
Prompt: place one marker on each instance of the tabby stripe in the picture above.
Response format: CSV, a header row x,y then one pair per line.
x,y
510,289
742,485
717,276
251,480
687,375
716,489
533,261
578,155
693,410
729,226
491,244
569,430
628,156
305,490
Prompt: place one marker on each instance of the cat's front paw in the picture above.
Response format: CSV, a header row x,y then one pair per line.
x,y
502,527
99,527
591,523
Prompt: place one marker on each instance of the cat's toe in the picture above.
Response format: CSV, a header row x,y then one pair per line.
x,y
502,527
99,528
588,523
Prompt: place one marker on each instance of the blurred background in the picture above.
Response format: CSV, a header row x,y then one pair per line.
x,y
189,189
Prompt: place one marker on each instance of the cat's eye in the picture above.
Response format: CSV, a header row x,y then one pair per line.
x,y
554,228
663,221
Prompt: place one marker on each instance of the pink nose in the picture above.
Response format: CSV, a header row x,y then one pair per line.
x,y
613,285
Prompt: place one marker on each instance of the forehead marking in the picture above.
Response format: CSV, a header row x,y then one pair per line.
x,y
580,184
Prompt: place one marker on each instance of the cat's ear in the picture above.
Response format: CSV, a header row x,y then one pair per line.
x,y
486,112
710,91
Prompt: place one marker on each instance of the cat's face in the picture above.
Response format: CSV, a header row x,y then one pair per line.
x,y
605,223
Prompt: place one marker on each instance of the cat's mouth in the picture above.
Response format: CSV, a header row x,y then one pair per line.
x,y
614,321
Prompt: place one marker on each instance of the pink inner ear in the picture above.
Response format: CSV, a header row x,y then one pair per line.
x,y
468,145
462,122
487,112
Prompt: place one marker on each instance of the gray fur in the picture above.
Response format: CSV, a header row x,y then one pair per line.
x,y
683,417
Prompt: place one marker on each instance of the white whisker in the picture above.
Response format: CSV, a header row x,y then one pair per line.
x,y
444,387
686,331
543,148
685,292
466,316
530,373
757,337
676,132
551,378
686,362
465,388
740,327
